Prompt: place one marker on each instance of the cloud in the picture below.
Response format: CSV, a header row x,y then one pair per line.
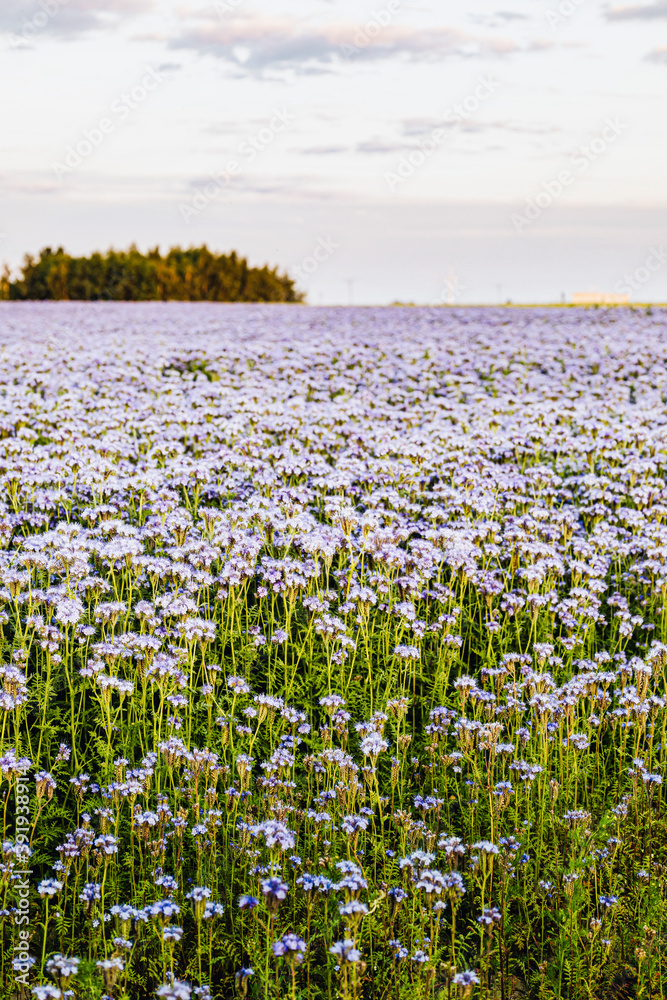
x,y
248,186
420,126
26,20
498,18
254,42
645,12
383,146
323,150
21,185
417,127
526,128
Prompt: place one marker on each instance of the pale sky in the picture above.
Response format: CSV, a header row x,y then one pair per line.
x,y
405,140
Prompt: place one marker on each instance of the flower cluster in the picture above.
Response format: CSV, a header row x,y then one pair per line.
x,y
333,651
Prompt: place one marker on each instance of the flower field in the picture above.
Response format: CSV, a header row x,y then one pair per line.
x,y
333,652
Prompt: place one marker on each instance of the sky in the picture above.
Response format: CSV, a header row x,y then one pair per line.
x,y
462,151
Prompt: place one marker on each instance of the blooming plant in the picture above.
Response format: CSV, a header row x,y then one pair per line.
x,y
333,652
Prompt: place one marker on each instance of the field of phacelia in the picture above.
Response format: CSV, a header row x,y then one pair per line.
x,y
333,652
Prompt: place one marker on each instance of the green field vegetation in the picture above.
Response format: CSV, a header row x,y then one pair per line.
x,y
334,652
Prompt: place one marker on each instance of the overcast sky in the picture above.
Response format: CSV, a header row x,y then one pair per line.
x,y
422,150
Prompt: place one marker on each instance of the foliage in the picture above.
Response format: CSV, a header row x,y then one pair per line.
x,y
192,275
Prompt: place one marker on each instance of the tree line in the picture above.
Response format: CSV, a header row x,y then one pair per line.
x,y
192,275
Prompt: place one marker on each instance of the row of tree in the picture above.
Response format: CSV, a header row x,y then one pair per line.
x,y
192,275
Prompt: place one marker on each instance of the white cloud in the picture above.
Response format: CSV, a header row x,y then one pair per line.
x,y
255,42
27,20
646,12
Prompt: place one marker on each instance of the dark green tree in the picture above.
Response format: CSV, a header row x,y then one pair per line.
x,y
192,275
